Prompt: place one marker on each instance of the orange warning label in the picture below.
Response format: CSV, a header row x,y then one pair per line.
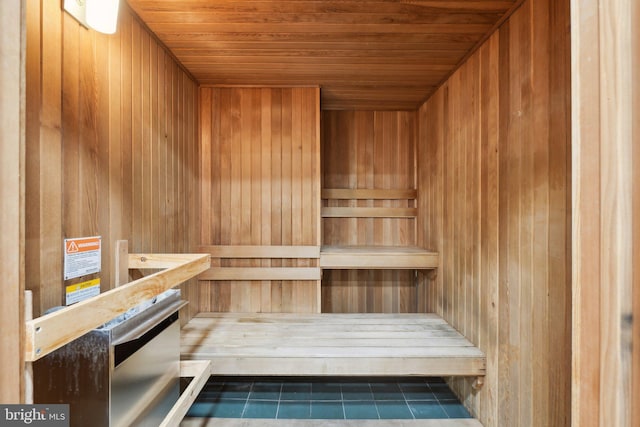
x,y
82,256
88,244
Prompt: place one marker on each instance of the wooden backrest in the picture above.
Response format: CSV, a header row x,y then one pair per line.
x,y
368,194
218,273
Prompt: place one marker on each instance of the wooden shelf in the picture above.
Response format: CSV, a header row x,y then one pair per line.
x,y
377,257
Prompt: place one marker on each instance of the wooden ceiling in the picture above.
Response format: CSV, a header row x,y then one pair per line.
x,y
384,55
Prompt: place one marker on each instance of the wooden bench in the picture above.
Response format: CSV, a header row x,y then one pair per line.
x,y
378,257
330,344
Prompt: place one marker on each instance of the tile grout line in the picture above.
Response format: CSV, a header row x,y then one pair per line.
x,y
246,402
375,402
344,410
441,398
279,399
405,401
438,400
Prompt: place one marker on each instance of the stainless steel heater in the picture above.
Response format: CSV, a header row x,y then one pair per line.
x,y
125,373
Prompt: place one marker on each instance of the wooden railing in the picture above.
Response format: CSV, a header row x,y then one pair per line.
x,y
50,332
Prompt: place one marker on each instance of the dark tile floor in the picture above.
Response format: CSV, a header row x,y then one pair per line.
x,y
327,398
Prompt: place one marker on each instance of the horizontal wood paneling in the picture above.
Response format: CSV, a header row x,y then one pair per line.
x,y
368,150
376,55
111,142
494,179
12,196
260,186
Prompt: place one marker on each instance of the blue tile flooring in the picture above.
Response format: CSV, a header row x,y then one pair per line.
x,y
327,398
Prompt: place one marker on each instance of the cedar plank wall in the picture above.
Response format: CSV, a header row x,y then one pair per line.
x,y
11,199
494,191
606,210
368,149
260,184
111,142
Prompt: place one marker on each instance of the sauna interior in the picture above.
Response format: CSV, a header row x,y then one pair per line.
x,y
340,188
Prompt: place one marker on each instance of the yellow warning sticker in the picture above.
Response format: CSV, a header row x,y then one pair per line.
x,y
81,291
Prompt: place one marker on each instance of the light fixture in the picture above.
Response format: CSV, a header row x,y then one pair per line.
x,y
101,15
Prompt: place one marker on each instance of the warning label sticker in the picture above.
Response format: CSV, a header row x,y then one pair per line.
x,y
81,291
82,256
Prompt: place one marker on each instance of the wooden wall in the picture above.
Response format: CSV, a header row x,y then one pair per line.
x,y
606,210
111,128
11,199
365,150
260,186
494,192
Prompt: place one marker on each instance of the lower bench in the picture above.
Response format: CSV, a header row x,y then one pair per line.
x,y
330,344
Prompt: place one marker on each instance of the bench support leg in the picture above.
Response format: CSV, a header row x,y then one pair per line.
x,y
478,383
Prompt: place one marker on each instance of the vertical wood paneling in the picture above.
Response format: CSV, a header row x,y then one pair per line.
x,y
635,362
260,181
50,148
12,213
110,130
493,168
368,149
605,156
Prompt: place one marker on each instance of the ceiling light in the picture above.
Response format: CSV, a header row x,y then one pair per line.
x,y
101,15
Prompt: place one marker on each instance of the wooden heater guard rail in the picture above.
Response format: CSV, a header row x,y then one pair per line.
x,y
50,332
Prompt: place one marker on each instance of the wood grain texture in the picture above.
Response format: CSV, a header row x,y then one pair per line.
x,y
493,197
12,214
260,187
382,55
367,212
329,344
362,151
635,363
368,194
263,274
377,258
112,140
605,60
271,251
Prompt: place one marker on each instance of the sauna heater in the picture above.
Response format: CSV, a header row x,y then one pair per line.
x,y
124,373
